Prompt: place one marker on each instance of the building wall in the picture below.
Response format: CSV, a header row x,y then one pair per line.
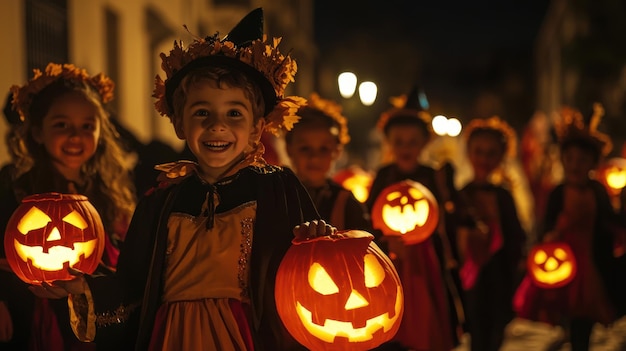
x,y
125,37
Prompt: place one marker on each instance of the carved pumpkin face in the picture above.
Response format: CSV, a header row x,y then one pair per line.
x,y
356,180
50,232
339,292
552,265
406,209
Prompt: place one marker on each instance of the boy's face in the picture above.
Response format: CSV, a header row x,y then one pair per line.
x,y
406,143
312,151
577,163
217,124
70,131
485,154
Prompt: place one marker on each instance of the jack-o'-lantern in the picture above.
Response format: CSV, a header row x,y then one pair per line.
x,y
356,180
551,265
407,209
339,292
613,175
50,232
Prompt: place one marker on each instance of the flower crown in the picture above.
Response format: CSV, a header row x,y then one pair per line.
x,y
572,126
23,96
259,59
334,111
398,104
496,124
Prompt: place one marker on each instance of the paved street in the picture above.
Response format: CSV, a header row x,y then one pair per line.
x,y
523,335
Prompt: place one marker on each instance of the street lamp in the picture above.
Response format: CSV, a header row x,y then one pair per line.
x,y
367,93
347,84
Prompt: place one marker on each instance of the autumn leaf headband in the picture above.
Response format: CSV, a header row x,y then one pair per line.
x,y
333,111
509,137
572,126
23,96
260,60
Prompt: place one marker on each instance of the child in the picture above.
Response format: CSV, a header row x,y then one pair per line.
x,y
489,236
198,266
425,323
65,143
579,213
312,146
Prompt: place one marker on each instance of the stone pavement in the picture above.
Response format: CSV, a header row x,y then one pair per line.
x,y
524,335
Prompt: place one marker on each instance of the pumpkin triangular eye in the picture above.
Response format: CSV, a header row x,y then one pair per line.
x,y
74,218
373,271
33,219
320,281
560,254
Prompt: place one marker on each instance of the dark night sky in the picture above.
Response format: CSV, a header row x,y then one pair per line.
x,y
457,50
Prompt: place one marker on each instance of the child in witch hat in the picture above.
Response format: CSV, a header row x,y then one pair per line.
x,y
197,270
426,321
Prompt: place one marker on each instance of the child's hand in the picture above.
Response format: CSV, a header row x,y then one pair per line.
x,y
61,288
313,229
6,325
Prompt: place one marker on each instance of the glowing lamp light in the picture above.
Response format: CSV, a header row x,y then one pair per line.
x,y
356,180
407,209
454,127
50,232
347,84
440,125
357,305
367,93
551,265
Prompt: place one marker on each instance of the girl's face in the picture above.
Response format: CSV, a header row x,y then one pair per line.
x,y
406,143
70,132
312,152
219,127
577,163
485,153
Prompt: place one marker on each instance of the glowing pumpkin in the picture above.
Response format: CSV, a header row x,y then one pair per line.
x,y
613,175
407,209
551,265
339,292
356,180
50,232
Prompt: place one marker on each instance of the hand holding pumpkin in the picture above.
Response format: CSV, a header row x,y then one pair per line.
x,y
6,325
61,288
313,229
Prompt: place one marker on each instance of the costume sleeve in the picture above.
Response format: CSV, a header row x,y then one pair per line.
x,y
110,305
356,215
554,206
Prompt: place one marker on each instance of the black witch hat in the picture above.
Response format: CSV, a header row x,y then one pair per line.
x,y
407,109
242,49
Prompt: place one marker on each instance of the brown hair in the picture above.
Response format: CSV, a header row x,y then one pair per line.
x,y
107,173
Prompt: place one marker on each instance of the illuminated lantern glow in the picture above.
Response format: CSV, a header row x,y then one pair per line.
x,y
50,232
613,175
356,180
339,292
551,265
407,209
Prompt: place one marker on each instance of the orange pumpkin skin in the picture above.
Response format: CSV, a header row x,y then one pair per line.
x,y
339,292
551,265
50,232
407,209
